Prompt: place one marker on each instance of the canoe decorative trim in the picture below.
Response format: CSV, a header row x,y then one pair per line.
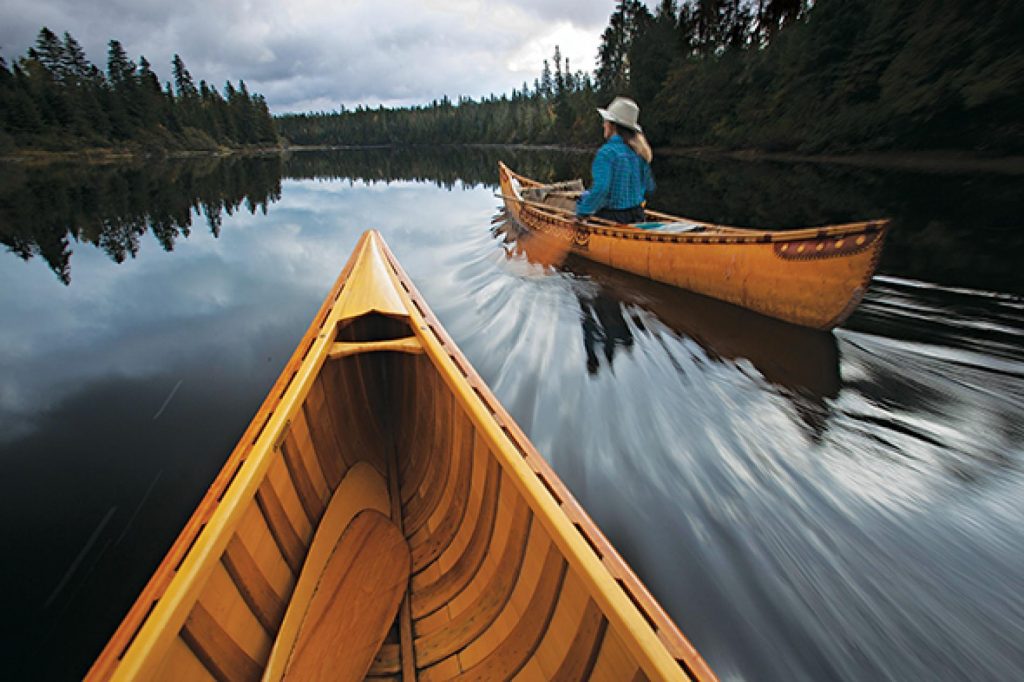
x,y
581,238
858,294
826,246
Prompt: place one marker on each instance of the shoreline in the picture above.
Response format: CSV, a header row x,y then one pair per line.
x,y
950,161
106,155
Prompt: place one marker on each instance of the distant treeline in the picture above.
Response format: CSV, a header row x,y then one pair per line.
x,y
53,98
947,228
558,109
833,75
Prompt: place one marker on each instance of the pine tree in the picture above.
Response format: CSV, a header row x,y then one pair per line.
x,y
183,83
74,66
120,69
121,76
21,113
546,85
49,52
708,26
613,72
653,51
186,105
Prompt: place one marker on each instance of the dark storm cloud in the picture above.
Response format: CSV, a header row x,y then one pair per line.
x,y
319,54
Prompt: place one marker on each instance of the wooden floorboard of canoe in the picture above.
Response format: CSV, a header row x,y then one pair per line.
x,y
378,413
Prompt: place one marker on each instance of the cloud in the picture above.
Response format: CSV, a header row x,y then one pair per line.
x,y
319,54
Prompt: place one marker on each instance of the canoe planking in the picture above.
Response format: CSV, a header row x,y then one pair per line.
x,y
814,277
378,429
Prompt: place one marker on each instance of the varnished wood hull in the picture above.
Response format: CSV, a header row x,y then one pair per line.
x,y
380,443
813,277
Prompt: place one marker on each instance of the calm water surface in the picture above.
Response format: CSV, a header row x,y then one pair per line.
x,y
806,505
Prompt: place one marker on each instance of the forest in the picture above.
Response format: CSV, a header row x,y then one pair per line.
x,y
775,75
54,99
825,76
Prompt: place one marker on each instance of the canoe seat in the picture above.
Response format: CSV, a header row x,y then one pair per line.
x,y
348,593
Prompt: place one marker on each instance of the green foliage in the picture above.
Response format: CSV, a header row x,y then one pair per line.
x,y
838,75
54,99
613,73
853,75
563,115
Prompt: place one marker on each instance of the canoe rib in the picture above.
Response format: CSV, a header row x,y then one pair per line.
x,y
813,277
460,482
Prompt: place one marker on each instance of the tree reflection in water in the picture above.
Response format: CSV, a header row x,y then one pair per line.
x,y
43,210
955,229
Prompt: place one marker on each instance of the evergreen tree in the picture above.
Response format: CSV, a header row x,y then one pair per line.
x,y
120,69
121,77
21,113
183,83
147,100
652,53
613,72
707,24
186,104
545,87
49,52
74,66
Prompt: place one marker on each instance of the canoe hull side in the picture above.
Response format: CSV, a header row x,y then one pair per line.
x,y
814,278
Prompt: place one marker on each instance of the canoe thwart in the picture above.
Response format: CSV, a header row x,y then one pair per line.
x,y
408,344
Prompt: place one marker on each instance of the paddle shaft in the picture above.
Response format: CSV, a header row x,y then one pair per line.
x,y
557,210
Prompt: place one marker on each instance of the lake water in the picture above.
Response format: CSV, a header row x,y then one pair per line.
x,y
806,505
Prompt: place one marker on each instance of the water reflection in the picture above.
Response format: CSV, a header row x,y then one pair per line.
x,y
44,209
936,378
805,505
802,362
959,229
604,326
955,229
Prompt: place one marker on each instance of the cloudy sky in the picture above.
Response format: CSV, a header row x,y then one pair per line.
x,y
318,54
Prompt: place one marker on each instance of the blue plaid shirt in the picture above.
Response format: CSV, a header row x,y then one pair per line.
x,y
621,179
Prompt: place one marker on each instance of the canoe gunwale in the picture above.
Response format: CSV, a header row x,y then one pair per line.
x,y
723,234
142,610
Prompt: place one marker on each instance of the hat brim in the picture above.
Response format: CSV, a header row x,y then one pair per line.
x,y
608,116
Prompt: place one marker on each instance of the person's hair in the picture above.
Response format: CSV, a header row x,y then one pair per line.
x,y
636,141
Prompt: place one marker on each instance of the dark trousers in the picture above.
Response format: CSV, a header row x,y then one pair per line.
x,y
622,215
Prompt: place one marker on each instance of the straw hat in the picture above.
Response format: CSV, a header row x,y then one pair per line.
x,y
623,111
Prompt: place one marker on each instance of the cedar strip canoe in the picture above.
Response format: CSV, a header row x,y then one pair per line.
x,y
383,517
813,277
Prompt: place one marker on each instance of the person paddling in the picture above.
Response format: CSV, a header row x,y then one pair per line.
x,y
621,170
